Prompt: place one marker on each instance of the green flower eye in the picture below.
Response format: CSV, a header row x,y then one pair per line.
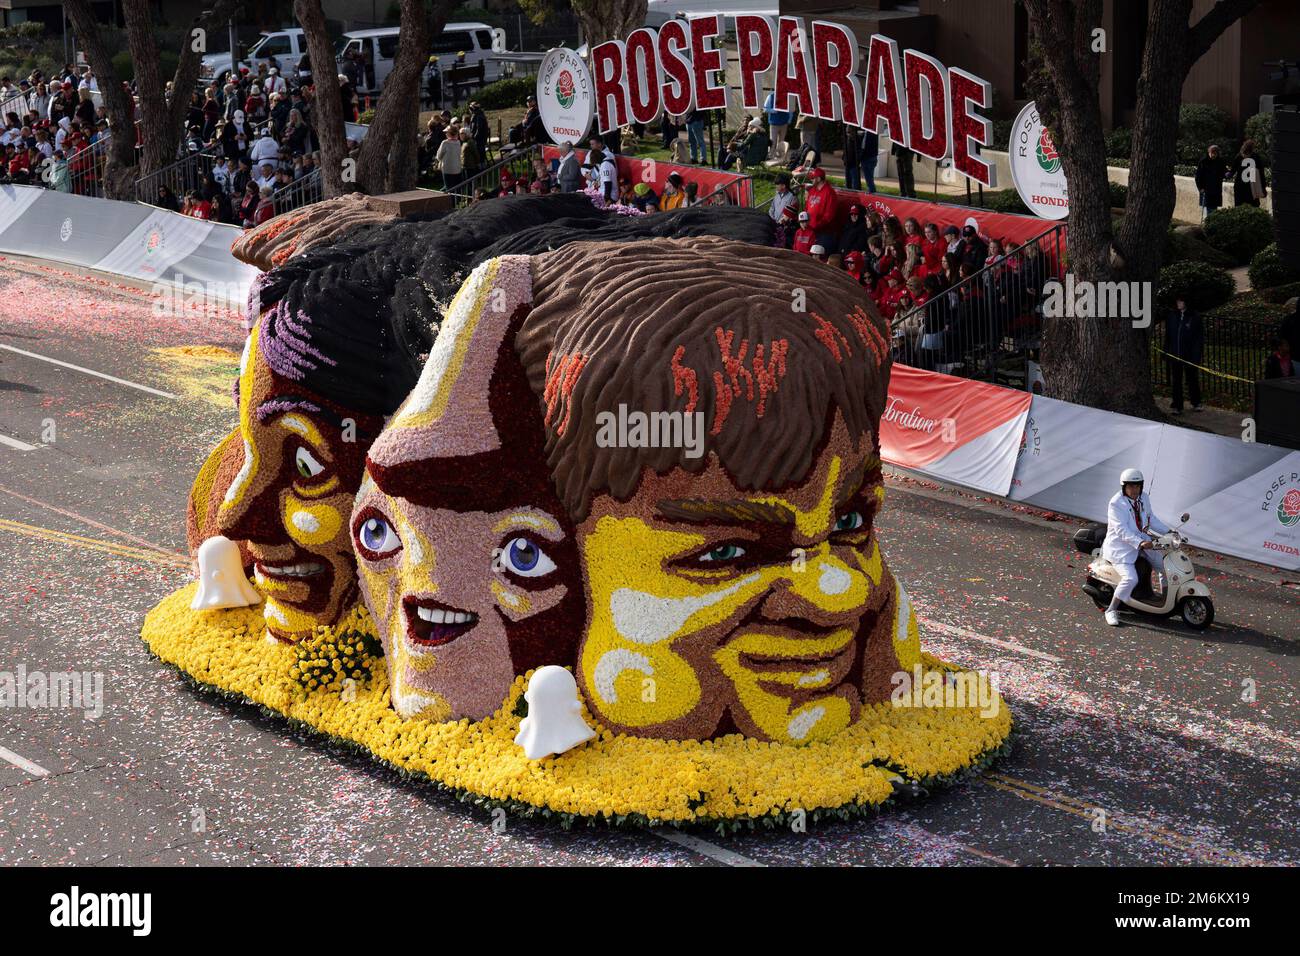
x,y
849,522
723,552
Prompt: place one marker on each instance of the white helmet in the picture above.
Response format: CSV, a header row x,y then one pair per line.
x,y
1131,476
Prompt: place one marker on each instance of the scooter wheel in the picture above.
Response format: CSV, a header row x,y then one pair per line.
x,y
1197,612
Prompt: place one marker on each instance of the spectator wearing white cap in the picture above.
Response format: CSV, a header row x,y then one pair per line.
x,y
804,238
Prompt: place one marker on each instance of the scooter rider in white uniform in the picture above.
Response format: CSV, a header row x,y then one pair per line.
x,y
1128,535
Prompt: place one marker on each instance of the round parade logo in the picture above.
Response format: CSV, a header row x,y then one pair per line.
x,y
1288,509
564,89
1048,158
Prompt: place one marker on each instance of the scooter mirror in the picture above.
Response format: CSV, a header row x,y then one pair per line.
x,y
1184,519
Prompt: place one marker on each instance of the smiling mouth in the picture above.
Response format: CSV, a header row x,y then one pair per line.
x,y
289,572
431,624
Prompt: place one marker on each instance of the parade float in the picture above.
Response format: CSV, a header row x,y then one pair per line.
x,y
591,536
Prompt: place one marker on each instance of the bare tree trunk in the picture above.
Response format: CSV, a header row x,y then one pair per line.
x,y
1105,363
387,159
603,20
327,111
120,164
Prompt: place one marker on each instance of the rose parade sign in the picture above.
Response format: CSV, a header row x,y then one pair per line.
x,y
906,95
421,537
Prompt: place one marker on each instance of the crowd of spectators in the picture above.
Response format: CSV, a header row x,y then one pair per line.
x,y
916,272
49,126
256,126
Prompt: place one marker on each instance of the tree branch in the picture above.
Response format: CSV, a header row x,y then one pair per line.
x,y
1211,26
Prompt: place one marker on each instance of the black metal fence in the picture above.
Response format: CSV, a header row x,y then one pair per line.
x,y
1232,360
987,326
518,163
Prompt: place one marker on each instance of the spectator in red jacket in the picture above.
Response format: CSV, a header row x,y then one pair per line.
x,y
804,237
819,203
933,247
265,208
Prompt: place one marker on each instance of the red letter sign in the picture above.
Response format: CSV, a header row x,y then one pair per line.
x,y
607,74
706,59
644,78
835,60
968,127
884,94
754,40
678,95
927,104
792,67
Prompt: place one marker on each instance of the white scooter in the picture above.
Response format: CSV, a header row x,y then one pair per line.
x,y
1175,589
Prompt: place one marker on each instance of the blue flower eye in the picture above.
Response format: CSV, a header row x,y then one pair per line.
x,y
525,558
849,522
724,552
376,538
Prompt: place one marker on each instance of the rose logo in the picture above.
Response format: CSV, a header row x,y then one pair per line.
x,y
1288,509
154,241
65,230
564,89
1048,158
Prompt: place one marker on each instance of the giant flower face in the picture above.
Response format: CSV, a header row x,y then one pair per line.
x,y
291,499
453,591
716,610
467,561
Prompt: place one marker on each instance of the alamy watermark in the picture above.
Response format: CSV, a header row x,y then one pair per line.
x,y
53,690
637,429
1083,299
977,690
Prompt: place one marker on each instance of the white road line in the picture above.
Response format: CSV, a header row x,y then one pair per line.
x,y
89,371
16,444
703,847
972,636
22,763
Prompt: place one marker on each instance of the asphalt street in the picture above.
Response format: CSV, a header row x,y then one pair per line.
x,y
1147,744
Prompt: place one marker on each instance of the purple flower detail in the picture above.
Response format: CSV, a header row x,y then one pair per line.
x,y
290,353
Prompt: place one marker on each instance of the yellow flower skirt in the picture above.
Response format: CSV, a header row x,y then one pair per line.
x,y
728,783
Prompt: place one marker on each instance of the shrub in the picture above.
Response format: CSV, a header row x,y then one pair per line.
x,y
1200,285
1268,270
1281,294
1240,231
1199,125
1006,200
1182,247
504,94
1118,195
1260,128
1002,134
1251,307
1119,143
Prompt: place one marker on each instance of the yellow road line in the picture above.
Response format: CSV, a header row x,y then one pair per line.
x,y
1116,821
95,544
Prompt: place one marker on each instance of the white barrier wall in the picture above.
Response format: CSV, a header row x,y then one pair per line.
x,y
1244,497
124,238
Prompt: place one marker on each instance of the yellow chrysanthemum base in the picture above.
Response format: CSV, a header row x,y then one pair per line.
x,y
613,777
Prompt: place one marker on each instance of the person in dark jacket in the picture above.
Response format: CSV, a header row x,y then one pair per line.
x,y
1211,171
1184,343
854,235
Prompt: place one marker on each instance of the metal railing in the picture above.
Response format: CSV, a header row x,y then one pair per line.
x,y
180,177
738,192
301,192
86,167
518,163
1232,360
988,325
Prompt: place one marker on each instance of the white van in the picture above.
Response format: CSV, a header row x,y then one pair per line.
x,y
477,41
285,47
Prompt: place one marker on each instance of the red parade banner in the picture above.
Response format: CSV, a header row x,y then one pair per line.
x,y
655,172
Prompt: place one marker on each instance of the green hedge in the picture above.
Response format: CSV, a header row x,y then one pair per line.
x,y
1201,286
125,69
1240,231
505,94
1250,307
1268,270
1004,200
1181,247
